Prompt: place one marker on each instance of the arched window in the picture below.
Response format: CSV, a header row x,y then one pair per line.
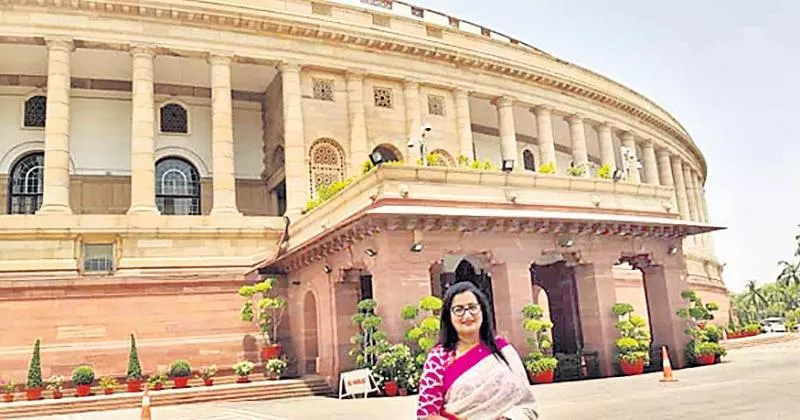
x,y
26,184
177,187
35,111
327,164
527,160
174,119
442,158
388,153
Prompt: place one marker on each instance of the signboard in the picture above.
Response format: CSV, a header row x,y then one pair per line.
x,y
356,382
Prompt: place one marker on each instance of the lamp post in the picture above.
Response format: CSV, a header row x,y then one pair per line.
x,y
427,128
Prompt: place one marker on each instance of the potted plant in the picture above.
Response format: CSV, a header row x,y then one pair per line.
x,y
267,312
274,368
701,347
33,390
391,366
157,380
180,371
243,370
135,376
8,388
705,353
55,384
633,346
207,374
82,377
540,363
108,384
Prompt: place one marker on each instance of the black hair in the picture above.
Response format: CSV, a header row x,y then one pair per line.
x,y
448,337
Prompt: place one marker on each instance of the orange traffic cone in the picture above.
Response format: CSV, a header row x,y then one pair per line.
x,y
667,366
145,405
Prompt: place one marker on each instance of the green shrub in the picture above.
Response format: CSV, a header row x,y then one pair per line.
x,y
83,375
180,369
605,171
35,368
134,367
547,168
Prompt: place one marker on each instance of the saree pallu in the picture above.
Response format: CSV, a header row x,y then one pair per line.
x,y
476,386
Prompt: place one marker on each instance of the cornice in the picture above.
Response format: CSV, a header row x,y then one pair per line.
x,y
249,21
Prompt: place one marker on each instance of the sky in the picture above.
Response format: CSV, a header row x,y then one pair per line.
x,y
726,69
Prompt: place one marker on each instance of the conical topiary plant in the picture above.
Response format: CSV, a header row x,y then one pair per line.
x,y
35,369
134,367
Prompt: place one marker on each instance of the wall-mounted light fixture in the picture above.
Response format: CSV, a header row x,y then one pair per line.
x,y
327,269
672,250
416,245
370,252
567,243
508,165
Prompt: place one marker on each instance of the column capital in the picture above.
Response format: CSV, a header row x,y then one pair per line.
x,y
59,43
461,90
676,159
663,152
628,136
355,74
409,83
289,66
605,126
542,110
647,142
503,101
574,118
147,50
220,58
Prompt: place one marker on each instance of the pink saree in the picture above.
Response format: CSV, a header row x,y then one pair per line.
x,y
476,386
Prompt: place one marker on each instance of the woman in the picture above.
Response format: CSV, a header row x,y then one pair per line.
x,y
471,374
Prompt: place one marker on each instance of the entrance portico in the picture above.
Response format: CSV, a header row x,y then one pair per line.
x,y
415,251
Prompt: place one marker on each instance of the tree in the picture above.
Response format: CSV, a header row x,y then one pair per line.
x,y
134,366
266,311
35,368
790,273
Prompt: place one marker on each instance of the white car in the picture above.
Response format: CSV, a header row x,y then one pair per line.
x,y
773,325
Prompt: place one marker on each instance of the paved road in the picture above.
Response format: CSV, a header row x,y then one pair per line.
x,y
755,383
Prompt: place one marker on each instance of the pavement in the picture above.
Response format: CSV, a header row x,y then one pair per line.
x,y
760,382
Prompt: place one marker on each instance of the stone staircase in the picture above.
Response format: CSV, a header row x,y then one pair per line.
x,y
224,389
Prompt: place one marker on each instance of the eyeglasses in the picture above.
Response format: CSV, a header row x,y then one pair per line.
x,y
472,308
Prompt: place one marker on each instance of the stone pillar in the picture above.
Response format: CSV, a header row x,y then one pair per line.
x,y
596,297
297,185
663,286
665,172
358,127
544,130
508,130
55,198
413,118
464,124
224,180
607,153
698,199
680,187
143,182
580,156
689,183
512,288
649,163
629,141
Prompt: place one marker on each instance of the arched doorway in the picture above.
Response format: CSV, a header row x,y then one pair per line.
x,y
310,333
449,272
558,282
388,153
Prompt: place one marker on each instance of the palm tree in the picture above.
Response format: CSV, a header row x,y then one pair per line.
x,y
754,298
790,273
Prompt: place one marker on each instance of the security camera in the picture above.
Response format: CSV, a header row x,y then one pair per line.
x,y
427,127
411,142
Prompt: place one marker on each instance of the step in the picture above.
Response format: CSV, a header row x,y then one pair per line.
x,y
224,390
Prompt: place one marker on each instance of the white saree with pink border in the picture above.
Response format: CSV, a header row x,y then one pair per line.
x,y
476,386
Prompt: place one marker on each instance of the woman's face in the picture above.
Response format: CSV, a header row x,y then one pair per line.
x,y
466,314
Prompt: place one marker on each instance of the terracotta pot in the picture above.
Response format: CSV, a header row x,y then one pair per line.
x,y
635,368
33,394
57,395
242,379
158,387
83,390
108,391
704,359
208,382
545,377
8,397
272,351
403,392
390,387
134,385
181,382
272,376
